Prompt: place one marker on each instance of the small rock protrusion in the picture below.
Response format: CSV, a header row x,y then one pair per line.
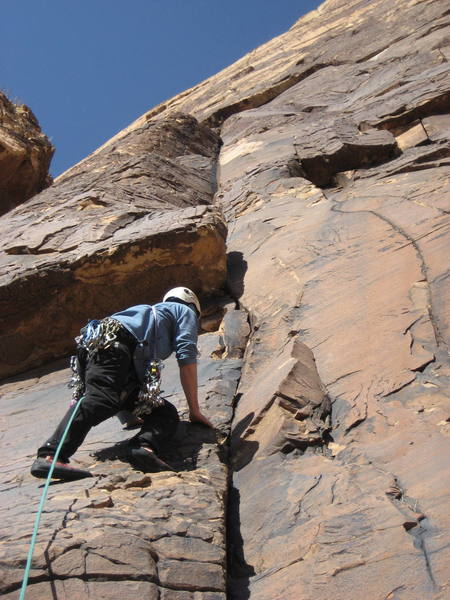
x,y
102,503
140,480
409,525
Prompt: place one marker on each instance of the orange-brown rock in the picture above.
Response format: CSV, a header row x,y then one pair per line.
x,y
124,228
333,179
25,155
337,197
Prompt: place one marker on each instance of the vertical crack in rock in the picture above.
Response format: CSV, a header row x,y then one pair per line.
x,y
343,290
297,426
284,242
162,530
237,568
419,533
414,523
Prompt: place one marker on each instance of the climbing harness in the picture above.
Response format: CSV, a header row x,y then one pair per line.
x,y
42,502
100,335
96,335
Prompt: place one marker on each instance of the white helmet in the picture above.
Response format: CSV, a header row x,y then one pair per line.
x,y
185,295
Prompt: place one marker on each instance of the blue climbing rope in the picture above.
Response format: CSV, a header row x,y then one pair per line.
x,y
41,504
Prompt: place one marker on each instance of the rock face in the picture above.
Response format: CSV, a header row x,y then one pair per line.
x,y
333,181
119,230
25,155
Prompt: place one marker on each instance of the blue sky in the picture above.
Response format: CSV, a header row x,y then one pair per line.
x,y
87,68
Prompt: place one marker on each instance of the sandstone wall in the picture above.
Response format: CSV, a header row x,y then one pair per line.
x,y
326,154
121,230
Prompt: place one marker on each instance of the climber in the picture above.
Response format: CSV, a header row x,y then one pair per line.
x,y
117,369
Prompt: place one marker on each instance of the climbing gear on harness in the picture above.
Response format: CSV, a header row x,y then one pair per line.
x,y
149,395
76,382
96,335
185,295
99,335
104,334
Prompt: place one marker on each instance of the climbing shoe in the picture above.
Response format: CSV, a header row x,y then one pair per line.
x,y
133,424
147,461
41,467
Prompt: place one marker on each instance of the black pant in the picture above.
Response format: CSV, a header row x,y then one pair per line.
x,y
107,372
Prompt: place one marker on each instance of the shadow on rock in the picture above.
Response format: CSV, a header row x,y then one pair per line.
x,y
181,452
236,268
184,451
238,569
242,451
119,451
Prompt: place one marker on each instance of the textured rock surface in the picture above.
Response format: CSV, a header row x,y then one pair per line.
x,y
25,155
119,231
337,199
337,191
333,179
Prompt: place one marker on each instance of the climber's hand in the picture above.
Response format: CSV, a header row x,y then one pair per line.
x,y
198,417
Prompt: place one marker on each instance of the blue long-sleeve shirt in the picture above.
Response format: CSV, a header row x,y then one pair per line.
x,y
176,327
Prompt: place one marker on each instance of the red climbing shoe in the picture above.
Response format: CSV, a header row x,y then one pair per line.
x,y
41,467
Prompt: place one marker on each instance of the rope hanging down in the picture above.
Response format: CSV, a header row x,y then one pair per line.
x,y
98,334
41,504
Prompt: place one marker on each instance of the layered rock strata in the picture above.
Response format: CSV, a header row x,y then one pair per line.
x,y
25,155
326,42
121,230
333,179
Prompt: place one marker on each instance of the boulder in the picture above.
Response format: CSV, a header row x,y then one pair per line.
x,y
134,221
25,155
